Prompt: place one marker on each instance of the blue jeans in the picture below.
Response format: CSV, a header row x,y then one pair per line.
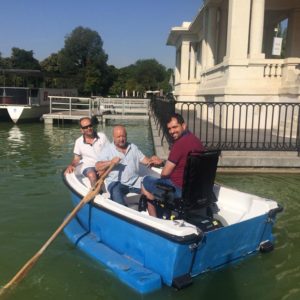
x,y
86,170
118,191
150,182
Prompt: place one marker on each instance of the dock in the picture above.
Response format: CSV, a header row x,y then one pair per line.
x,y
103,109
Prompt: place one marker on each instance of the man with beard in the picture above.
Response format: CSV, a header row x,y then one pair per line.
x,y
172,173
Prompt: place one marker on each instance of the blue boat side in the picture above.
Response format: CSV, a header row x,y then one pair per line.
x,y
144,258
231,243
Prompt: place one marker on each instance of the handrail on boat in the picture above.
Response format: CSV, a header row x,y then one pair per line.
x,y
273,212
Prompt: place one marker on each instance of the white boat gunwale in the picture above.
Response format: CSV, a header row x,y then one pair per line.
x,y
111,207
155,225
185,240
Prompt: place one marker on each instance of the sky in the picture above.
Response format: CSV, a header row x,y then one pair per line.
x,y
130,29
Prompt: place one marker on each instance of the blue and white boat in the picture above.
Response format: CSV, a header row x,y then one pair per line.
x,y
146,252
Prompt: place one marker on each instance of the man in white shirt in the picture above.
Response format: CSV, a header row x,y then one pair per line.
x,y
86,150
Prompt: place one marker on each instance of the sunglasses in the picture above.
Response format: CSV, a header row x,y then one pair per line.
x,y
87,126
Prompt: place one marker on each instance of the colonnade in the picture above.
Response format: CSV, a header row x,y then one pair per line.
x,y
232,31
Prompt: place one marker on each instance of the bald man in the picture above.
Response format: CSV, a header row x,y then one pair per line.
x,y
124,178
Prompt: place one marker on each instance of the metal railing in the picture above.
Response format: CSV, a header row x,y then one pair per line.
x,y
124,106
73,104
99,105
235,125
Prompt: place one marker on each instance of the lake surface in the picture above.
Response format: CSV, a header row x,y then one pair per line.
x,y
34,201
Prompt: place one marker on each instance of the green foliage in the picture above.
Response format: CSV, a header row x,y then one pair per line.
x,y
50,68
22,59
84,60
5,63
50,64
82,64
149,73
144,75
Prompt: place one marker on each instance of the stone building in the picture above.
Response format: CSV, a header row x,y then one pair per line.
x,y
231,52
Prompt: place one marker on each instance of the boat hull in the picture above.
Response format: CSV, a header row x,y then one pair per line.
x,y
162,257
23,104
19,113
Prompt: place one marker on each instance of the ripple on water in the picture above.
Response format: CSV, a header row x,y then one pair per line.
x,y
292,294
292,272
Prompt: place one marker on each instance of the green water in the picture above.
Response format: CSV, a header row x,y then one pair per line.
x,y
34,201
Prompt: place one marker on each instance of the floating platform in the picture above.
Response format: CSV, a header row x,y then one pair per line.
x,y
127,270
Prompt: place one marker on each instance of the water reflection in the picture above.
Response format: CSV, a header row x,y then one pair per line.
x,y
15,135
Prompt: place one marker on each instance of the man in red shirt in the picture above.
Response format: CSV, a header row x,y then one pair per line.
x,y
172,173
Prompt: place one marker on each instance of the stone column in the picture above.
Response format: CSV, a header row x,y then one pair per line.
x,y
204,42
238,29
192,61
223,14
184,68
257,28
199,59
211,36
178,65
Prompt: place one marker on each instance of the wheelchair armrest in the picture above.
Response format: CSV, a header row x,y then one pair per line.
x,y
160,165
165,187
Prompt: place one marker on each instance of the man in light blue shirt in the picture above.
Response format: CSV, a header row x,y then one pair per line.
x,y
124,178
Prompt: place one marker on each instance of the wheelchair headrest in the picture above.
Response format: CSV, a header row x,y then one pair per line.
x,y
199,177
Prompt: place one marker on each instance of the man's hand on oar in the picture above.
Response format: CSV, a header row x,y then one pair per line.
x,y
87,198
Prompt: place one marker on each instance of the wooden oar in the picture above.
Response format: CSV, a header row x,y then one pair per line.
x,y
87,198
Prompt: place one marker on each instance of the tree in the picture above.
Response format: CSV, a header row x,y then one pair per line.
x,y
144,75
50,64
84,59
50,68
165,85
22,59
5,63
149,73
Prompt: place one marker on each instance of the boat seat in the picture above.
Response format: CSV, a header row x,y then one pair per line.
x,y
198,199
131,199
